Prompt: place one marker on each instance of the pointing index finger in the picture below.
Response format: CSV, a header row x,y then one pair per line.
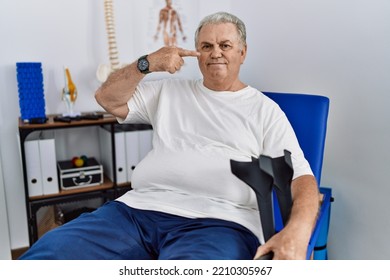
x,y
184,53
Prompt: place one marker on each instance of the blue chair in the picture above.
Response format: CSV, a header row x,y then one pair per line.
x,y
308,115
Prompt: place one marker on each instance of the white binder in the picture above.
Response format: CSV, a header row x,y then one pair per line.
x,y
48,160
130,148
132,151
33,167
120,155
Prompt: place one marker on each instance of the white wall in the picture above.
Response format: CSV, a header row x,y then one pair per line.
x,y
5,248
335,48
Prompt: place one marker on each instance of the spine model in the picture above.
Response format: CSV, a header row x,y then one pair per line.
x,y
103,70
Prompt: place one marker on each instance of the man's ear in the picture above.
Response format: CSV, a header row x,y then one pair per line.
x,y
243,54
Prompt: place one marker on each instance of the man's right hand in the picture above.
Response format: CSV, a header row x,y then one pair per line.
x,y
169,59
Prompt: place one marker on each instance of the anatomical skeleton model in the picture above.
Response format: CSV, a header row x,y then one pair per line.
x,y
104,70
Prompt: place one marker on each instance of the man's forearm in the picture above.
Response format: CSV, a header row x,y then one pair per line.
x,y
305,205
118,89
120,85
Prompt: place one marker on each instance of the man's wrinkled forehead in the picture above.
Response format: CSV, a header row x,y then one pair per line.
x,y
206,35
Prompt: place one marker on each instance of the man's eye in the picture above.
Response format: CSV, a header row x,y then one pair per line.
x,y
225,47
206,47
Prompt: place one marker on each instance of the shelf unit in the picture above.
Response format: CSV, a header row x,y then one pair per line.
x,y
109,190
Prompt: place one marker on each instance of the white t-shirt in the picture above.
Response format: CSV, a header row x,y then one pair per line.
x,y
196,131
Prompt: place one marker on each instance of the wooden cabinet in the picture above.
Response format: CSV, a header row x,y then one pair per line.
x,y
108,190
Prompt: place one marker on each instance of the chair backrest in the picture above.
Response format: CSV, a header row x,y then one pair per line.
x,y
308,115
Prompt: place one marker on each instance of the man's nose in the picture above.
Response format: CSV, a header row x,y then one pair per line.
x,y
216,53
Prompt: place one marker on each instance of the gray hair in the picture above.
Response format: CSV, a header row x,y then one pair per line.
x,y
223,17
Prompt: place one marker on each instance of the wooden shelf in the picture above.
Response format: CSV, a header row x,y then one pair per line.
x,y
51,124
107,184
107,191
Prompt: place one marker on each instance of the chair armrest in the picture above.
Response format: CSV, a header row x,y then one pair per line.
x,y
322,223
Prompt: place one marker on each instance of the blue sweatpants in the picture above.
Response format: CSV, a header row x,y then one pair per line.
x,y
118,232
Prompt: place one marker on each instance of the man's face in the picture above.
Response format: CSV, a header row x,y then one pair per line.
x,y
221,54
